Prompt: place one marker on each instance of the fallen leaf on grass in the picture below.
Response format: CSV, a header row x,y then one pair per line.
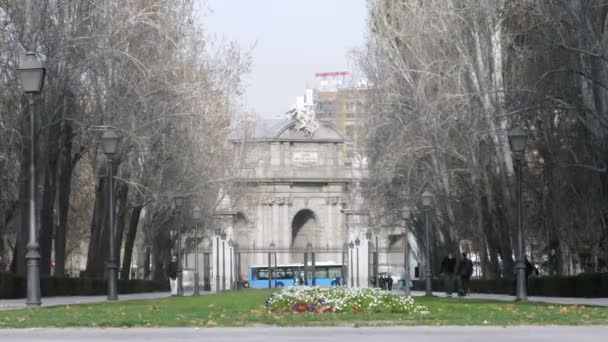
x,y
256,312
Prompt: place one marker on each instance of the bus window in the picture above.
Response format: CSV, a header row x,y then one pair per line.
x,y
288,273
335,272
260,274
320,272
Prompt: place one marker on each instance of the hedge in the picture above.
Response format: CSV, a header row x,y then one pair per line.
x,y
587,285
14,286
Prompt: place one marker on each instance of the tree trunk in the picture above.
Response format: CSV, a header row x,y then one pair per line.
x,y
130,241
122,191
98,243
19,265
48,200
64,188
147,259
161,248
3,236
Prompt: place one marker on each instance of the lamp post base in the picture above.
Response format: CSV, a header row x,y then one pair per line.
x,y
112,288
521,291
197,290
33,275
429,283
180,284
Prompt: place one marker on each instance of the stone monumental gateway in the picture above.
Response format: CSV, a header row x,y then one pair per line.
x,y
296,195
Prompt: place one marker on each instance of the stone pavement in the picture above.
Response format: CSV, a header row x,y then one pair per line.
x,y
554,300
70,300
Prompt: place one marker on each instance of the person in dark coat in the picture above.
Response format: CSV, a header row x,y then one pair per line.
x,y
448,269
172,273
389,282
465,271
529,270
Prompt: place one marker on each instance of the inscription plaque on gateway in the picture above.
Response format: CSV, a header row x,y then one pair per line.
x,y
305,157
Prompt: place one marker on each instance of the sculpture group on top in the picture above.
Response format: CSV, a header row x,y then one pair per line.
x,y
306,118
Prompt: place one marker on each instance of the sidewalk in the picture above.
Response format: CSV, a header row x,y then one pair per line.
x,y
70,300
553,300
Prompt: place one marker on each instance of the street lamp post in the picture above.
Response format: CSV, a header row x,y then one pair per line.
x,y
109,143
179,199
197,215
517,142
223,237
31,75
405,213
237,267
231,249
357,244
218,232
344,267
352,278
427,199
368,237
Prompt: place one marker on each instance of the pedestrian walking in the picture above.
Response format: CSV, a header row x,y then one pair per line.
x,y
172,273
448,269
465,271
384,282
529,270
389,282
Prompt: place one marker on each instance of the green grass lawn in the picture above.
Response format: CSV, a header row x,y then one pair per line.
x,y
246,308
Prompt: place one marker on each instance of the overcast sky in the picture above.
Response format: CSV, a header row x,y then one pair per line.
x,y
294,40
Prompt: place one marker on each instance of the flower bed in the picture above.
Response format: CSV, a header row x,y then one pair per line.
x,y
341,299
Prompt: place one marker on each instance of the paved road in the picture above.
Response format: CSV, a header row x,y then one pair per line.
x,y
267,334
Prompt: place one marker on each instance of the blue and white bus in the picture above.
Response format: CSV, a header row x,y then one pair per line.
x,y
326,274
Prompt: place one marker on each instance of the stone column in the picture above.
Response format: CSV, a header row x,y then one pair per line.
x,y
330,229
275,226
283,229
259,224
364,260
341,226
